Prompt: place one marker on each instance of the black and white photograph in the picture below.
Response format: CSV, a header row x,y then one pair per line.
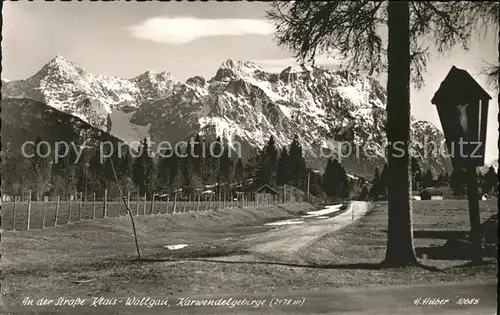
x,y
249,157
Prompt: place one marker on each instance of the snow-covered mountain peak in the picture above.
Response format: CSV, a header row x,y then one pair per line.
x,y
242,104
60,68
66,86
231,70
153,75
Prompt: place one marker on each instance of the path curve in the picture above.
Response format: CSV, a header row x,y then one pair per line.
x,y
290,239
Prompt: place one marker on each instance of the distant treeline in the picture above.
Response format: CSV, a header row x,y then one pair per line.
x,y
191,170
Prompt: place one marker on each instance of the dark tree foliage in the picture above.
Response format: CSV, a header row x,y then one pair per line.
x,y
239,172
335,180
266,169
297,164
457,182
490,181
428,179
416,173
283,168
145,170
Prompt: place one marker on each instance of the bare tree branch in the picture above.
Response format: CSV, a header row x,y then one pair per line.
x,y
350,30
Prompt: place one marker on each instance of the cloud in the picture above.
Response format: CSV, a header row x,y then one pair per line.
x,y
182,30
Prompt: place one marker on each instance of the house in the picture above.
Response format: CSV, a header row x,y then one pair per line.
x,y
266,193
266,189
431,194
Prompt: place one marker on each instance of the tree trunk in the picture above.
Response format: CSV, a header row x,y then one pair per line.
x,y
400,251
474,215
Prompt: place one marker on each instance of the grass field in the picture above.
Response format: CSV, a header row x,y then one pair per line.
x,y
434,222
75,210
41,263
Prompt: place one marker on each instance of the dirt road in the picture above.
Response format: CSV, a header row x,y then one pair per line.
x,y
287,240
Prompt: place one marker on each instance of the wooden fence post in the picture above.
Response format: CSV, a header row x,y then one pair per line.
x,y
152,203
284,193
175,202
44,212
57,209
161,204
93,205
198,203
14,215
80,206
218,199
137,205
105,210
69,210
144,205
168,201
29,210
224,200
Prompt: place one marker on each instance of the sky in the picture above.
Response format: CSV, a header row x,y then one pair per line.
x,y
186,39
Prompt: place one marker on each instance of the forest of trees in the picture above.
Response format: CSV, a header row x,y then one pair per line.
x,y
190,169
193,170
455,181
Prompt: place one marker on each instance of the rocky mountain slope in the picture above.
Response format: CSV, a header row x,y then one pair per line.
x,y
332,112
69,88
25,119
327,109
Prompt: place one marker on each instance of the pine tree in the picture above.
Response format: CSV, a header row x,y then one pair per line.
x,y
416,174
187,166
344,183
126,166
329,180
490,180
239,171
197,155
283,168
376,184
297,164
226,165
164,169
217,148
384,180
439,180
205,163
335,180
457,182
40,169
145,170
267,158
95,178
428,179
175,175
446,178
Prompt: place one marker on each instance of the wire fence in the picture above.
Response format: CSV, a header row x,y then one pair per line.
x,y
22,213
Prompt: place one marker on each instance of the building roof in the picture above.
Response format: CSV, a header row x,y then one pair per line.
x,y
266,187
458,86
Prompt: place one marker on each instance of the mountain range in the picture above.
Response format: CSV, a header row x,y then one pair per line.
x,y
242,103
